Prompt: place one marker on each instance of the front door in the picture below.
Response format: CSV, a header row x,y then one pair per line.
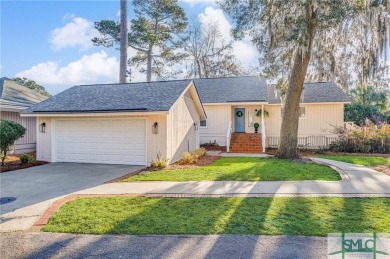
x,y
239,119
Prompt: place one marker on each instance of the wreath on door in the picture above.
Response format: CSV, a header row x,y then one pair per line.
x,y
239,114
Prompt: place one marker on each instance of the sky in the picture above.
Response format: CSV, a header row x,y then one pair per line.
x,y
50,41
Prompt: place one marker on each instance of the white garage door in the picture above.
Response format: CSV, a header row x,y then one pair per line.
x,y
107,141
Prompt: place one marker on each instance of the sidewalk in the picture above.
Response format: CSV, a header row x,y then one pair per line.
x,y
358,181
57,245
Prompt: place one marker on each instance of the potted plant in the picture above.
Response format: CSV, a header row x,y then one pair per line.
x,y
256,125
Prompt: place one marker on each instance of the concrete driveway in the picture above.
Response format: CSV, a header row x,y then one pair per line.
x,y
41,185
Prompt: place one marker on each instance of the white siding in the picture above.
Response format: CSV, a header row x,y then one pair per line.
x,y
182,136
28,142
218,117
319,119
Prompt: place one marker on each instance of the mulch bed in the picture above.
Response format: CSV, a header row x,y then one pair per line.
x,y
12,162
203,161
17,165
214,148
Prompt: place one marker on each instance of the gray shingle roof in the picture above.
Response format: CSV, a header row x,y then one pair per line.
x,y
232,89
13,94
160,96
321,92
153,96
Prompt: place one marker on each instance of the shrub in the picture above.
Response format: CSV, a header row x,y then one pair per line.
x,y
199,152
190,158
26,158
370,139
187,158
10,131
159,162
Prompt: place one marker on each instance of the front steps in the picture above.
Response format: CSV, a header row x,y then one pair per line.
x,y
246,143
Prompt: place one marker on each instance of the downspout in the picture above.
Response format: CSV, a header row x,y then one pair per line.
x,y
262,128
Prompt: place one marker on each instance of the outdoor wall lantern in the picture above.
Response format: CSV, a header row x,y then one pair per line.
x,y
42,127
196,126
155,128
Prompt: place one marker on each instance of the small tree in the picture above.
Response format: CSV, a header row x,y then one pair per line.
x,y
10,131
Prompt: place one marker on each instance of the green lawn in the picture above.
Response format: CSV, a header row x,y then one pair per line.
x,y
359,160
244,169
259,216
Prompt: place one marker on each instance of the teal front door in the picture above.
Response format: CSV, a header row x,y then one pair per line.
x,y
239,119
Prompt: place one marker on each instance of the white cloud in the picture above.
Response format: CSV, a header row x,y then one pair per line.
x,y
94,68
244,50
76,33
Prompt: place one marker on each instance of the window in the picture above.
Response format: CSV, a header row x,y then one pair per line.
x,y
302,112
203,123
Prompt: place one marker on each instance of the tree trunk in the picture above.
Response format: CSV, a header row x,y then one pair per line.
x,y
290,119
199,67
288,147
149,66
123,43
3,157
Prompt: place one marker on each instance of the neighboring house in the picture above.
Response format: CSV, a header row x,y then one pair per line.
x,y
13,99
224,99
119,123
115,123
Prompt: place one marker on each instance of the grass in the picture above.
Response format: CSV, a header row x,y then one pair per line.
x,y
359,160
244,169
259,216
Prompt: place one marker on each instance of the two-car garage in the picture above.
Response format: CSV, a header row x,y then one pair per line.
x,y
99,140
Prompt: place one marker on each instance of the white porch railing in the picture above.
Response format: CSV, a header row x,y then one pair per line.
x,y
228,136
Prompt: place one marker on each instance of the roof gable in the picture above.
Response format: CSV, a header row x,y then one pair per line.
x,y
141,97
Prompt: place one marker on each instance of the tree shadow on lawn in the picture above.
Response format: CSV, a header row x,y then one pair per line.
x,y
238,216
260,169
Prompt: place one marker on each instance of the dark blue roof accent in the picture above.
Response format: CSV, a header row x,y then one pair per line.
x,y
152,96
232,89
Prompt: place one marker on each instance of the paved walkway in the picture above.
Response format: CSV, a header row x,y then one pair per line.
x,y
359,181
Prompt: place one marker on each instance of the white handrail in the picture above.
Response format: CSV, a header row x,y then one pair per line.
x,y
228,135
263,136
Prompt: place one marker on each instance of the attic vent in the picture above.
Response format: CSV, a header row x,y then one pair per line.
x,y
276,93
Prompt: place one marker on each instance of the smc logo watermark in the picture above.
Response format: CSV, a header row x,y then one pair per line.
x,y
358,245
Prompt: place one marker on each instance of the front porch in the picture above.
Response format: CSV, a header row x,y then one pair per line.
x,y
242,134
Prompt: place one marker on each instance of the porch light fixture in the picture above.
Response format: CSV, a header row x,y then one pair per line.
x,y
155,128
42,127
196,126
